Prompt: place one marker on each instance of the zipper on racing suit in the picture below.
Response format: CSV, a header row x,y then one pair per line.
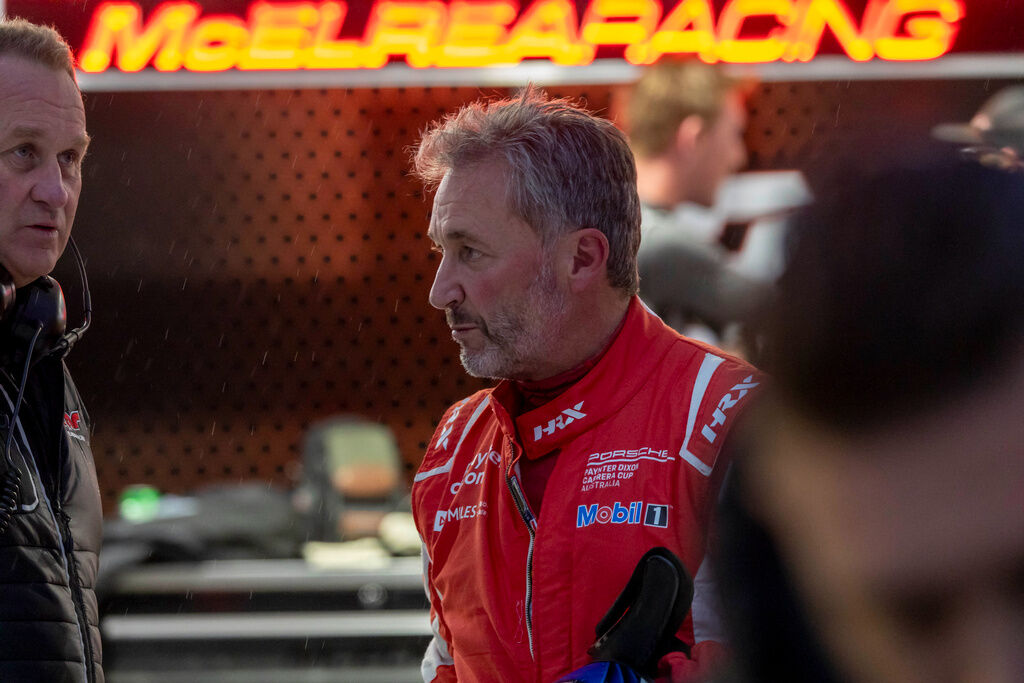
x,y
531,526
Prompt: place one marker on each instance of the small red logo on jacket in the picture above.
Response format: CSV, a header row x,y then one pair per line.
x,y
72,420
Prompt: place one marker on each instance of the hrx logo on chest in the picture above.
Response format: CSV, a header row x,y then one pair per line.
x,y
567,417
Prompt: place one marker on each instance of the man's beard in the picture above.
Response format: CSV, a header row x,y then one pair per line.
x,y
517,336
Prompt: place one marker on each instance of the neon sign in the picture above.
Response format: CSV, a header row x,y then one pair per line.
x,y
308,35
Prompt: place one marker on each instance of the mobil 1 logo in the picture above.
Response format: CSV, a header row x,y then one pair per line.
x,y
635,512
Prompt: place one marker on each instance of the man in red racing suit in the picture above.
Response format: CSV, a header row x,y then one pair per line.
x,y
516,595
536,499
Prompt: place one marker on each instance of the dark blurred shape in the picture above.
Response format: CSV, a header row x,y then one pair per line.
x,y
351,478
687,282
221,522
999,123
995,135
216,522
768,626
902,289
880,512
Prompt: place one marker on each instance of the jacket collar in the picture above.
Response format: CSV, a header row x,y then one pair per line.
x,y
634,354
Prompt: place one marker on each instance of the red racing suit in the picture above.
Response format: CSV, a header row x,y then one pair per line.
x,y
516,597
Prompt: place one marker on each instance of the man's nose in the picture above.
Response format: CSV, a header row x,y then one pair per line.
x,y
49,187
446,292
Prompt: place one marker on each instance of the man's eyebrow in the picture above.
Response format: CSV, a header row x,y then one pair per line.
x,y
27,132
34,133
450,235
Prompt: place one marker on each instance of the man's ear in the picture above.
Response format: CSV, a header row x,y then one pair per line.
x,y
589,252
688,131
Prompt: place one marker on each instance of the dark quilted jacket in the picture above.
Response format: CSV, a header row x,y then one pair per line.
x,y
49,622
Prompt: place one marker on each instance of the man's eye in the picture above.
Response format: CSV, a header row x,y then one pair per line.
x,y
69,158
469,253
23,152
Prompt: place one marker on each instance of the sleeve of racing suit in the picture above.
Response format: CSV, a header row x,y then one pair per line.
x,y
438,665
709,634
707,651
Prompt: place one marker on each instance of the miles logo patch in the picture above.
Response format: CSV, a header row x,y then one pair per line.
x,y
458,514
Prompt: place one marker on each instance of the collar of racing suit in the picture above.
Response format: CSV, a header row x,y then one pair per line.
x,y
581,405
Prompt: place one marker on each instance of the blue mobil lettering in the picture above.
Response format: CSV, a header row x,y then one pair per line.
x,y
458,514
616,514
619,513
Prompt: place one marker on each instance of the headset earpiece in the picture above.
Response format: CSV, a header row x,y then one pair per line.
x,y
40,306
7,292
37,306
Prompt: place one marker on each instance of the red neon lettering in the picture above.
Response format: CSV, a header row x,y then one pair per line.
x,y
296,35
548,29
117,26
476,32
280,35
327,52
733,48
620,22
812,16
688,29
411,29
216,43
925,37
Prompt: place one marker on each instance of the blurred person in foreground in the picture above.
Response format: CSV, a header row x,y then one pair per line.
x,y
876,532
50,512
536,499
686,121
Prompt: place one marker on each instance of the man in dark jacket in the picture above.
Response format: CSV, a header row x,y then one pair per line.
x,y
50,514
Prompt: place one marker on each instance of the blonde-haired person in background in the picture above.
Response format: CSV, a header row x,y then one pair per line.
x,y
686,121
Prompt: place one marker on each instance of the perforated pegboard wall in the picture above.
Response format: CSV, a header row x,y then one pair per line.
x,y
258,261
265,266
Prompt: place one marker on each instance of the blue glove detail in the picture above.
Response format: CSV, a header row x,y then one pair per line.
x,y
603,672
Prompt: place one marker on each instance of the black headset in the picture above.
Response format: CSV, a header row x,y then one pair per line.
x,y
33,320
